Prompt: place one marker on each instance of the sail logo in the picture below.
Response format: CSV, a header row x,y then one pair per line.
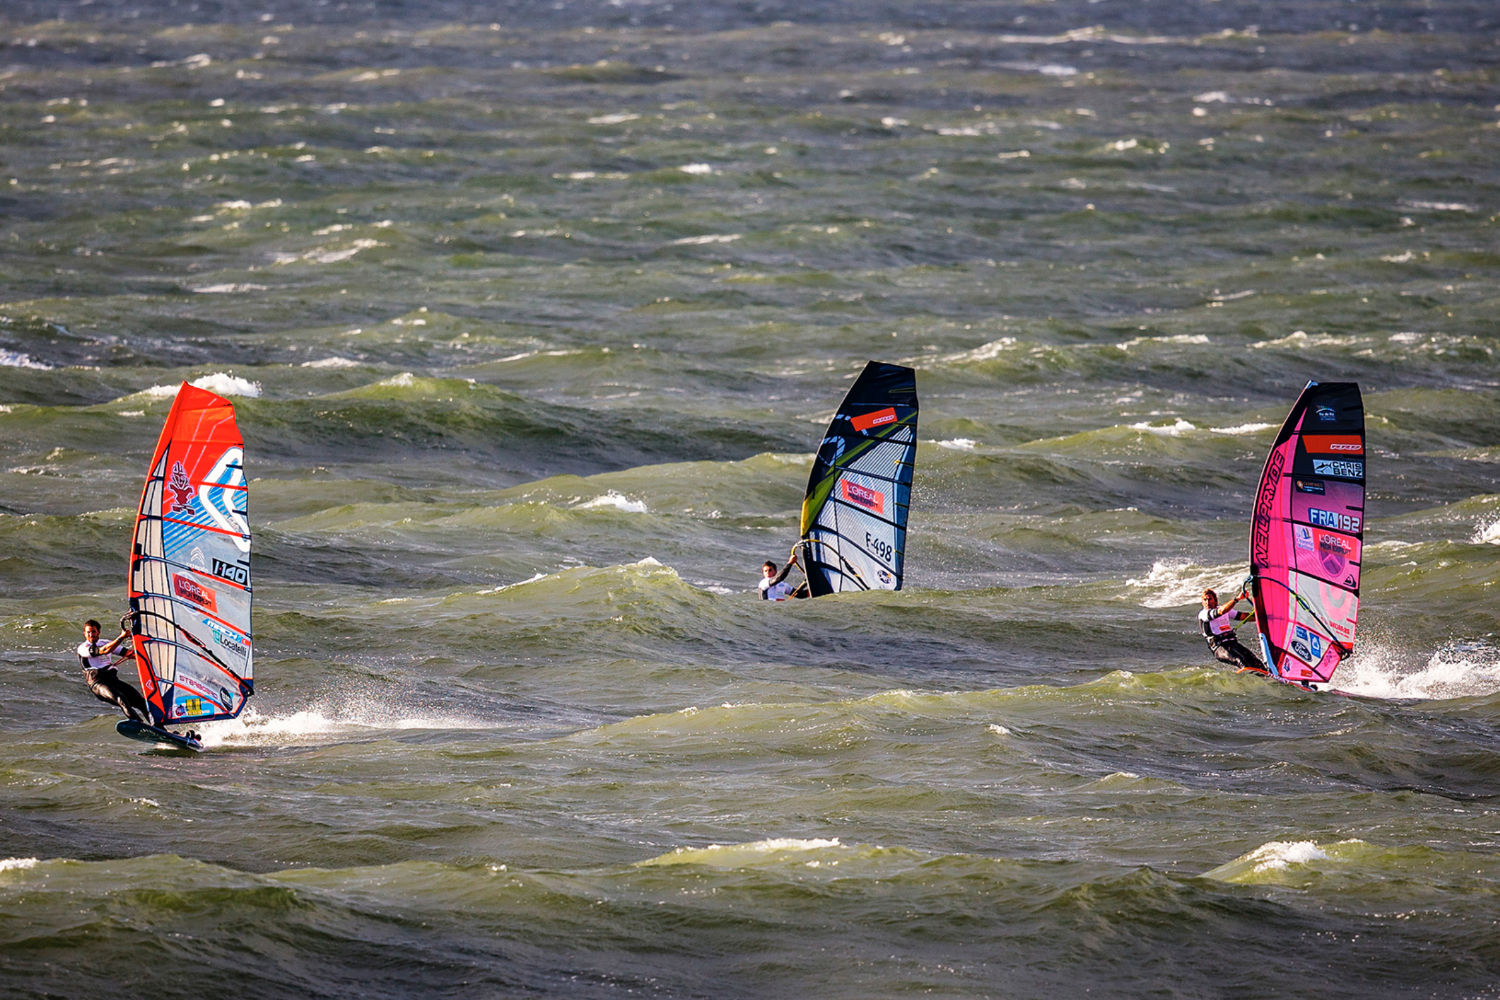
x,y
1333,553
1344,444
191,707
863,496
191,590
228,475
228,641
1306,645
1310,486
1304,538
1327,414
867,421
233,572
1343,468
831,450
181,489
1337,520
1265,506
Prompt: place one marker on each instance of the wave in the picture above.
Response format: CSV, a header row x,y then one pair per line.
x,y
1420,872
223,383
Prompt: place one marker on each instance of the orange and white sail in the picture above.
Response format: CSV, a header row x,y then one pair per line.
x,y
190,567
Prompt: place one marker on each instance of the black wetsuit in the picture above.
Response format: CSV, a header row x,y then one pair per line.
x,y
1227,648
109,687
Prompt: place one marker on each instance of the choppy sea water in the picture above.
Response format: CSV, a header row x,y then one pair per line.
x,y
533,318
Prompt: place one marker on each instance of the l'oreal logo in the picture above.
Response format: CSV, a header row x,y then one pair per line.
x,y
191,590
865,497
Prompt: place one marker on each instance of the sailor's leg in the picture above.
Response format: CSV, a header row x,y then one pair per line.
x,y
1223,655
1246,659
128,698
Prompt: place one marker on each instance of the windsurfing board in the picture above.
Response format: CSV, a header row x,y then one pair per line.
x,y
150,734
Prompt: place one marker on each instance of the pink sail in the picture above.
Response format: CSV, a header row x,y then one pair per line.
x,y
1307,535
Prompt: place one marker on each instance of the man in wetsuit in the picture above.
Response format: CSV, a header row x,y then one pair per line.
x,y
1218,628
773,587
103,679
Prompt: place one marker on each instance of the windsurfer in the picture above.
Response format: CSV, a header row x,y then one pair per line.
x,y
103,679
773,586
1218,625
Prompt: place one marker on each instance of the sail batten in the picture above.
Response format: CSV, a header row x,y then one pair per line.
x,y
190,588
1307,535
859,492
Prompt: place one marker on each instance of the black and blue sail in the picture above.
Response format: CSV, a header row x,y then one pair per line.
x,y
859,493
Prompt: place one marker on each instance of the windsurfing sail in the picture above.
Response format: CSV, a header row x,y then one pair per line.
x,y
854,514
1307,533
190,567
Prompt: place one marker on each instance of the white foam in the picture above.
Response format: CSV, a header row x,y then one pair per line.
x,y
334,256
330,718
230,288
984,352
222,383
14,359
736,855
331,363
519,583
1441,206
1486,534
1242,429
1176,429
1302,340
1176,582
17,864
701,240
617,501
1458,670
958,444
228,385
1278,854
1181,338
696,168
